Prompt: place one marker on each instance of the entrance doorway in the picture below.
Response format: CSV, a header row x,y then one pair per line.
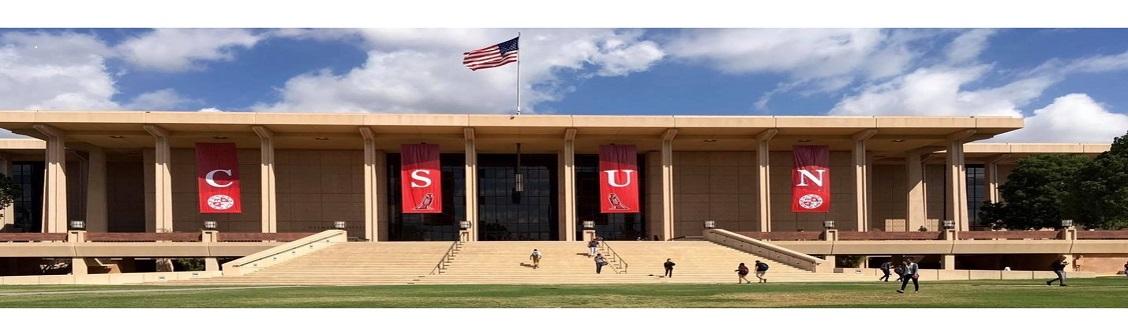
x,y
505,213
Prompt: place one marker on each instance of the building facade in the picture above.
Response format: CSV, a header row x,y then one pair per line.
x,y
301,172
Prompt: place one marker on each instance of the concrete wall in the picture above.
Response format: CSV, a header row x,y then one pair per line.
x,y
125,188
842,208
1101,263
720,186
317,187
653,196
888,197
934,185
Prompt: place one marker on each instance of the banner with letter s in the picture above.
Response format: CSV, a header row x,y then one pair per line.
x,y
810,179
217,177
618,179
421,179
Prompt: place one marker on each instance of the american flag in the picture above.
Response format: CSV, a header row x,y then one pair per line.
x,y
492,56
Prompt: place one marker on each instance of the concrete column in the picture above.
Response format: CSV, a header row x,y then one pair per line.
x,y
830,235
763,153
861,182
471,181
268,187
8,215
55,181
96,216
371,197
668,183
569,185
957,180
162,179
992,169
949,262
915,212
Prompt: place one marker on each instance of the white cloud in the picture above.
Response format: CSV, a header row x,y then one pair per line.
x,y
163,99
1070,118
941,91
174,50
968,45
420,70
210,109
45,71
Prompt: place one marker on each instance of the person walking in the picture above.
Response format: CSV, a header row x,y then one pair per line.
x,y
742,274
535,257
1058,266
1126,268
599,262
592,245
669,266
912,272
885,268
761,270
900,270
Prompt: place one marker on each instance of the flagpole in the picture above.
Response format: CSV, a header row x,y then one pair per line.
x,y
518,73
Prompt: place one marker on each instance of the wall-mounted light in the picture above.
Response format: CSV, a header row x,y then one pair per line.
x,y
465,225
1067,223
710,224
77,225
339,225
589,225
949,224
828,224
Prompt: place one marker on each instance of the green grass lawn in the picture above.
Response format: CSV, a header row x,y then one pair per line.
x,y
1099,292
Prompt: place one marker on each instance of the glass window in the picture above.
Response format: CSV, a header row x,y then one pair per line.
x,y
976,193
608,226
424,227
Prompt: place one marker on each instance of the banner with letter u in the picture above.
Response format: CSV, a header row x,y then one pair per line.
x,y
810,179
217,177
421,179
618,179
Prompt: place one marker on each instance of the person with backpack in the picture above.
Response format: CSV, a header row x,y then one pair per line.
x,y
669,266
900,270
885,267
742,273
592,245
761,270
912,272
599,262
1058,266
535,257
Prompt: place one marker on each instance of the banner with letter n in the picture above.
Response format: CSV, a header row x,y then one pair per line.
x,y
618,179
421,179
217,177
810,179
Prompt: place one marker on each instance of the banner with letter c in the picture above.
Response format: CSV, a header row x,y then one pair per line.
x,y
810,179
421,179
217,177
618,179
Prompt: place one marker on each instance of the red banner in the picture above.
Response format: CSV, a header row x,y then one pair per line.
x,y
217,177
810,179
618,179
421,179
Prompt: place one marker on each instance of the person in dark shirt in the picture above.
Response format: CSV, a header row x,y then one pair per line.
x,y
669,266
885,268
1058,266
912,272
742,273
599,263
761,271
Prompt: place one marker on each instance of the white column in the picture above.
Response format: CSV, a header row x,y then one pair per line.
x,y
55,181
915,212
269,197
763,153
371,198
668,183
8,215
992,169
162,179
861,182
471,177
569,187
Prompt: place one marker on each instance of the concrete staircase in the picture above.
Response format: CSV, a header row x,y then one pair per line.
x,y
352,263
361,263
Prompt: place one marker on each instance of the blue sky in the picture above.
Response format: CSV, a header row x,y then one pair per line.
x,y
1069,84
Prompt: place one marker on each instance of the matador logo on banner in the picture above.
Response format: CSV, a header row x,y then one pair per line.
x,y
217,177
421,179
618,179
810,179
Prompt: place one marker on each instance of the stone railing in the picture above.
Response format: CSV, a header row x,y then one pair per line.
x,y
33,237
767,250
284,252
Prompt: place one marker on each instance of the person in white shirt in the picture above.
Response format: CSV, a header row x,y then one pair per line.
x,y
912,272
536,257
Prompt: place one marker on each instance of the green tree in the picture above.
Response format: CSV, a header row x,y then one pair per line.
x,y
8,192
1036,193
1099,192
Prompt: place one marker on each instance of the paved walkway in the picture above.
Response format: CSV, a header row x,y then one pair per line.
x,y
113,291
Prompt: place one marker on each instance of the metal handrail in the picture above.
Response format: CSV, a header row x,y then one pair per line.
x,y
442,262
617,261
